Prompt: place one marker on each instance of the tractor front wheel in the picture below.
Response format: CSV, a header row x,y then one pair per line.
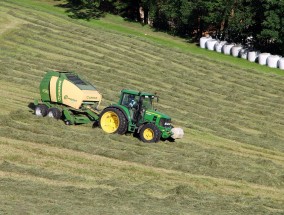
x,y
112,120
150,133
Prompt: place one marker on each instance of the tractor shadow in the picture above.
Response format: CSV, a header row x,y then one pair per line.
x,y
136,135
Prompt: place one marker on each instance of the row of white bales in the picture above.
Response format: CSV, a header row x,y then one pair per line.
x,y
272,61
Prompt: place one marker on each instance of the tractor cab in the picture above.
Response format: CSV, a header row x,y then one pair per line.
x,y
137,103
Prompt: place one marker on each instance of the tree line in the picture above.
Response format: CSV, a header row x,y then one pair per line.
x,y
259,23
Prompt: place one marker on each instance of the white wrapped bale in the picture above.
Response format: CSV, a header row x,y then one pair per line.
x,y
203,41
262,58
272,61
210,44
244,53
227,49
236,50
219,45
281,63
253,55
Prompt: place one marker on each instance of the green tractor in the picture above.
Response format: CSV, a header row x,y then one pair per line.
x,y
135,113
64,95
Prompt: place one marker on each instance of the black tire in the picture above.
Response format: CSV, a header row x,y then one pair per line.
x,y
114,114
41,110
150,133
54,113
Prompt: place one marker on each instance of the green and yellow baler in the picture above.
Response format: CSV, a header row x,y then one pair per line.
x,y
65,95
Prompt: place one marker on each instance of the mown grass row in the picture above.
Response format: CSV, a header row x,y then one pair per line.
x,y
158,83
230,160
58,170
201,159
115,77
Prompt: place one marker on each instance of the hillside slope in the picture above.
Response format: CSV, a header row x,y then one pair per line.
x,y
231,160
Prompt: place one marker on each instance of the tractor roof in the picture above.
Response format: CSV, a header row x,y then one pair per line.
x,y
135,92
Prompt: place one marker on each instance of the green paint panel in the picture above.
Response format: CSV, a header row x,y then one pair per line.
x,y
44,85
82,119
59,84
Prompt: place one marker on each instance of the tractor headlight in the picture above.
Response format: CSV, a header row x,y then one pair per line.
x,y
165,123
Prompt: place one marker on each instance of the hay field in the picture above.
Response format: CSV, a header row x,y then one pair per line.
x,y
231,160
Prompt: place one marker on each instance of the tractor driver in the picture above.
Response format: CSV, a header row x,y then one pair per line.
x,y
132,102
133,107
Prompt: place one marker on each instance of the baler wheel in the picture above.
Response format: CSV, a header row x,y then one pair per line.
x,y
54,113
150,133
67,122
112,120
41,110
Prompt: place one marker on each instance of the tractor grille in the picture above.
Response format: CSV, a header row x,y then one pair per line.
x,y
165,123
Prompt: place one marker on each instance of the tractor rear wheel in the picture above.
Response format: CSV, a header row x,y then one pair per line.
x,y
54,113
150,133
112,120
41,110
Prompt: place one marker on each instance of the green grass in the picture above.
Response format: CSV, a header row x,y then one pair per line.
x,y
231,160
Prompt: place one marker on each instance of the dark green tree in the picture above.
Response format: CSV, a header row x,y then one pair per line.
x,y
271,36
241,21
128,9
156,15
232,20
88,9
85,9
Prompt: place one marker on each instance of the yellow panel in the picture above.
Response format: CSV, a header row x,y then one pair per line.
x,y
92,95
71,95
52,88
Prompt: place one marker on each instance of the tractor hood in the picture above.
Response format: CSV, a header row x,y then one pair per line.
x,y
157,114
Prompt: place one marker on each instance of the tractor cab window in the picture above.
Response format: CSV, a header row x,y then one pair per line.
x,y
147,102
130,100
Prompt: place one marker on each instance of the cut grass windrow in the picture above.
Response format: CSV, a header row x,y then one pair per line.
x,y
229,162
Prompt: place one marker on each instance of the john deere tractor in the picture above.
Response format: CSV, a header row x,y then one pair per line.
x,y
64,95
135,113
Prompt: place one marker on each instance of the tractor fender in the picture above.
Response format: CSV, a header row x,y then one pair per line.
x,y
139,128
123,109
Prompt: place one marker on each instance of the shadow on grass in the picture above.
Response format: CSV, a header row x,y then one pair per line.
x,y
31,106
80,12
136,135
